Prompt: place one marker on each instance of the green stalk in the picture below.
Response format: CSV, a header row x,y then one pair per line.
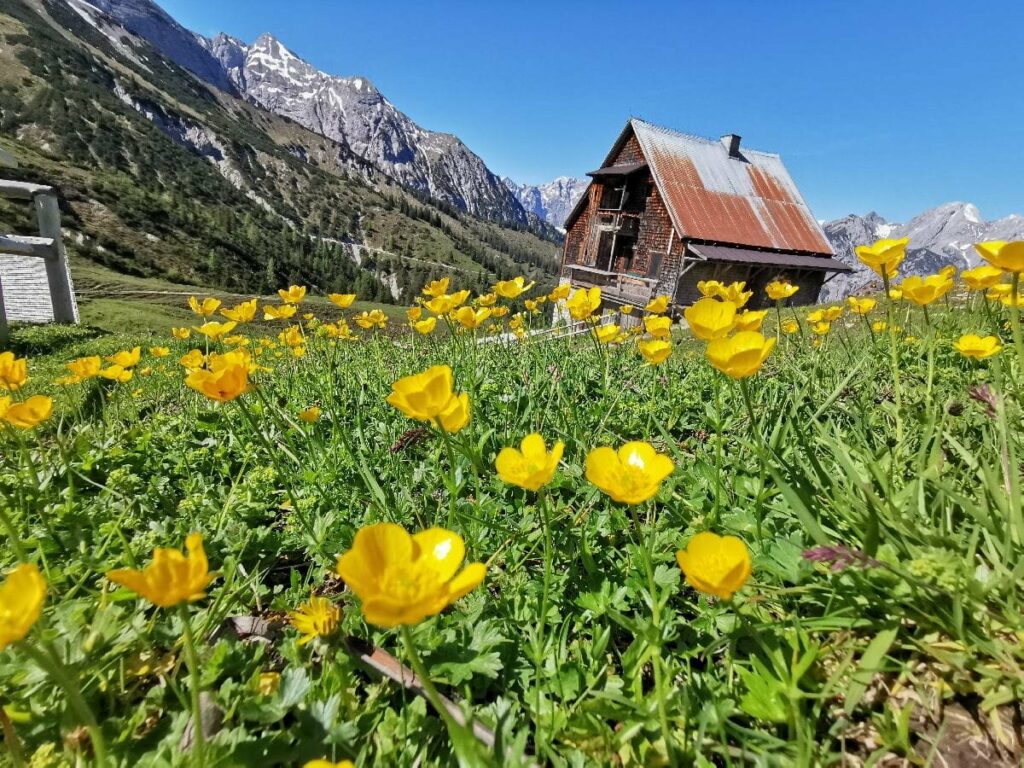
x,y
50,662
893,355
545,591
931,356
12,534
452,478
1018,343
199,738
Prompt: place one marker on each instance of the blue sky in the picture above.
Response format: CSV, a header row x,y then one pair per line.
x,y
891,106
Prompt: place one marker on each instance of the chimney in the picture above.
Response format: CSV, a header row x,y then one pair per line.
x,y
732,143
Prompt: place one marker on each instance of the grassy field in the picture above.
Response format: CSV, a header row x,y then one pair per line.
x,y
864,607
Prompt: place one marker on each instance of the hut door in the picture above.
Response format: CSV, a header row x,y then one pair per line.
x,y
605,244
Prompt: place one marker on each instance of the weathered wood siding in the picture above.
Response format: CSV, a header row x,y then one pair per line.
x,y
26,292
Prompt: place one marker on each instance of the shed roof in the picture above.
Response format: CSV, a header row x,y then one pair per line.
x,y
624,169
768,258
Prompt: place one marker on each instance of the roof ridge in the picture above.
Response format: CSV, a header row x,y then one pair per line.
x,y
694,137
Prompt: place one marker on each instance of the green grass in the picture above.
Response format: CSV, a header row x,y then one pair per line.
x,y
915,630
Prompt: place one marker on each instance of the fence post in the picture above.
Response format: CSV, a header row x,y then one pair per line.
x,y
57,273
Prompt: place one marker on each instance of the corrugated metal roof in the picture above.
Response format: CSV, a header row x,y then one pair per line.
x,y
768,258
626,169
747,200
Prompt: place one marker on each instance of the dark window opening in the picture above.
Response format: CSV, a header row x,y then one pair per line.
x,y
612,197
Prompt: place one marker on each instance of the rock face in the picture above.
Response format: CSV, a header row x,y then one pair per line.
x,y
942,235
552,202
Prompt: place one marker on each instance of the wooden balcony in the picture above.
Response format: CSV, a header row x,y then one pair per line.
x,y
616,286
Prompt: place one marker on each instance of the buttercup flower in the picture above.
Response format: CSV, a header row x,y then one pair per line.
x,y
895,294
511,289
658,326
487,300
291,336
428,396
172,577
560,292
822,328
831,314
318,617
206,308
268,683
630,475
999,291
116,373
192,359
530,466
293,295
711,319
325,763
214,330
750,319
437,288
127,359
226,379
310,415
860,306
403,579
21,603
181,333
13,372
372,319
426,326
28,413
740,356
282,312
709,289
655,351
658,305
977,347
924,290
82,369
1003,255
626,309
584,302
883,256
413,314
244,312
879,325
471,318
159,351
735,293
342,300
440,305
790,326
606,334
981,278
715,565
778,290
459,297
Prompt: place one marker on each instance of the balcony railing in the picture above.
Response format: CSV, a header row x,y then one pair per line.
x,y
617,286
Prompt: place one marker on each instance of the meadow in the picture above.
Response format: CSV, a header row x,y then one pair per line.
x,y
791,536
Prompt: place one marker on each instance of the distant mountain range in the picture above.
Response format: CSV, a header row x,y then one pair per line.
x,y
942,235
552,202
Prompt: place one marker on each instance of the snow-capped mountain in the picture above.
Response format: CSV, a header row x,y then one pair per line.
x,y
942,235
552,202
348,110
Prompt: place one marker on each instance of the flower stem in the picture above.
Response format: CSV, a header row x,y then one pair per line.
x,y
542,619
12,535
199,738
1015,318
893,356
10,739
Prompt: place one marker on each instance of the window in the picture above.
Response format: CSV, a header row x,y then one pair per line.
x,y
612,196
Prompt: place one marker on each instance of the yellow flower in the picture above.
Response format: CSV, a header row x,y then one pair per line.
x,y
282,312
895,294
627,309
560,292
511,289
982,277
159,351
372,319
715,565
631,475
291,336
440,305
437,288
206,308
924,290
21,603
310,415
711,319
403,579
709,289
831,314
342,300
883,256
28,413
750,320
227,378
318,617
658,326
147,371
181,333
516,322
82,369
655,351
1004,255
1008,299
821,328
127,359
459,297
487,300
999,291
879,325
790,326
605,334
658,305
414,313
293,295
531,465
471,318
192,360
735,293
740,356
428,396
241,313
860,306
584,302
426,327
172,577
533,305
214,330
778,290
268,683
13,372
977,347
298,351
116,373
325,763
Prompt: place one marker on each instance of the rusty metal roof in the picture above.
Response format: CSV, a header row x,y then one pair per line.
x,y
768,258
747,200
625,169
